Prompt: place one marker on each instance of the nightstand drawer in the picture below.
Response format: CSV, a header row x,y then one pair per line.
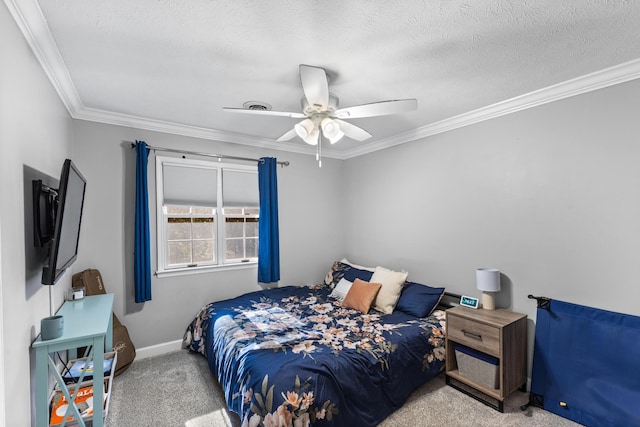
x,y
475,335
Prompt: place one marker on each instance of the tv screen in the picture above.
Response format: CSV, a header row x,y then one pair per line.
x,y
63,248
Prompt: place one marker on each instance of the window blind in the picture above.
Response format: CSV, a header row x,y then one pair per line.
x,y
240,189
190,185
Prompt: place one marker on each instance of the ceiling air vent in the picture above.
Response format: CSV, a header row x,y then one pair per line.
x,y
257,105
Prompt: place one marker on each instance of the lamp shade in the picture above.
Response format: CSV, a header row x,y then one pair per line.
x,y
488,279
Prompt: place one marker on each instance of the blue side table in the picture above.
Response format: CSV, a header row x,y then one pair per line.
x,y
87,322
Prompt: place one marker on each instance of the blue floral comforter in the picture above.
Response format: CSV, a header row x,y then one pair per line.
x,y
292,356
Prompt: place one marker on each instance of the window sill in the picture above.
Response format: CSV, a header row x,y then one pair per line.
x,y
205,269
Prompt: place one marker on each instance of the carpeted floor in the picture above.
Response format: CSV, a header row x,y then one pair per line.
x,y
177,389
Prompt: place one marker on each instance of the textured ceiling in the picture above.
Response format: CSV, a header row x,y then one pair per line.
x,y
172,65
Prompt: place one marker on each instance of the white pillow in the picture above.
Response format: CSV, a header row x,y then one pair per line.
x,y
341,289
359,267
392,283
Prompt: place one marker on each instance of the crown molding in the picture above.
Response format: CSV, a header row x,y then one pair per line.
x,y
143,123
28,16
580,85
598,80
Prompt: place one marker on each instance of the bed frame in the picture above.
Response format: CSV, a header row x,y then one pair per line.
x,y
449,300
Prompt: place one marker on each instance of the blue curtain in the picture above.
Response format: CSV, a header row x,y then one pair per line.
x,y
142,249
268,234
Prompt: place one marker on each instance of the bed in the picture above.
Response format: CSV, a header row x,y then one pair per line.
x,y
302,355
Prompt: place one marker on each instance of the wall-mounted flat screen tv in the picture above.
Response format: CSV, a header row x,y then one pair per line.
x,y
66,218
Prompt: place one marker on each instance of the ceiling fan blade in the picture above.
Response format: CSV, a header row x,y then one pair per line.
x,y
315,86
381,108
288,136
353,131
264,112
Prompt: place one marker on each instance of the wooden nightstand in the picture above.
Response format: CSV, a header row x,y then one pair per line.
x,y
498,333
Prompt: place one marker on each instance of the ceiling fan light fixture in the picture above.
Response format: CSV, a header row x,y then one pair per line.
x,y
330,128
312,139
304,128
337,137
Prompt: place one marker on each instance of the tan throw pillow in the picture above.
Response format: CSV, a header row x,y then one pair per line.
x,y
392,283
361,295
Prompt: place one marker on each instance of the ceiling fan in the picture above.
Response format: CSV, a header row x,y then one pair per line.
x,y
321,115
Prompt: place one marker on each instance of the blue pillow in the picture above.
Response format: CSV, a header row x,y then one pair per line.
x,y
336,272
355,273
340,269
419,300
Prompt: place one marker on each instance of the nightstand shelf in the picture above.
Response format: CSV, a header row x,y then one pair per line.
x,y
501,334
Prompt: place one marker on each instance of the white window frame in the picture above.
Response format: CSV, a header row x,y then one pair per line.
x,y
219,219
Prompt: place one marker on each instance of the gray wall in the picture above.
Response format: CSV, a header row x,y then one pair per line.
x,y
311,229
35,138
550,196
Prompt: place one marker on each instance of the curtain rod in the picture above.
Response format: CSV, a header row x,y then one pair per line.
x,y
217,156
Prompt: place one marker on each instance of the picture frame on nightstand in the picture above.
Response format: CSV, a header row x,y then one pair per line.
x,y
470,302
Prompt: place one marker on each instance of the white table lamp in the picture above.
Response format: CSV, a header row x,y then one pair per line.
x,y
488,281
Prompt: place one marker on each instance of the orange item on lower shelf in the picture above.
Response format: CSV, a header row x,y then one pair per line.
x,y
83,401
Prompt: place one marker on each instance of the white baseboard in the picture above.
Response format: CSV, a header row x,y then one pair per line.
x,y
158,349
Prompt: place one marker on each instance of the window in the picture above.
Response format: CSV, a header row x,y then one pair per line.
x,y
208,214
241,238
190,236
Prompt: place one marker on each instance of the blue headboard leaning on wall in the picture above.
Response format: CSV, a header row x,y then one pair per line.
x,y
586,364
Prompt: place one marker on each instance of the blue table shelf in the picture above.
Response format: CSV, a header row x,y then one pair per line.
x,y
87,322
